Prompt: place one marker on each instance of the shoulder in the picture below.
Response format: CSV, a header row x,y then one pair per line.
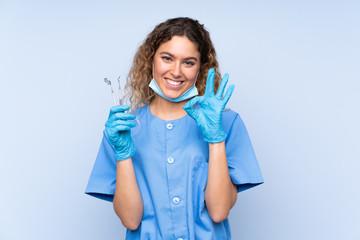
x,y
231,118
140,112
229,114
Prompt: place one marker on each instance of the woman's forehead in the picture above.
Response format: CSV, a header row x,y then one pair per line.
x,y
179,46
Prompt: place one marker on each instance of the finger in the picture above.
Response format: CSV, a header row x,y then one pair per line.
x,y
126,116
192,102
115,129
229,91
119,108
209,90
222,86
189,106
121,116
112,124
122,128
192,112
125,123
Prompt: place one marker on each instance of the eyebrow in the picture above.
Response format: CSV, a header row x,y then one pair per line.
x,y
188,58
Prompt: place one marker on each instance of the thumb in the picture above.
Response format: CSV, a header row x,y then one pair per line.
x,y
192,102
192,112
189,107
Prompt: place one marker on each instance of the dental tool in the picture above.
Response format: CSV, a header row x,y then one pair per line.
x,y
108,82
120,98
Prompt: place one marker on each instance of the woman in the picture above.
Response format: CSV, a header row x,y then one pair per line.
x,y
179,175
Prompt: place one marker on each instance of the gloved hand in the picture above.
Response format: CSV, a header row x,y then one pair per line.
x,y
209,116
118,129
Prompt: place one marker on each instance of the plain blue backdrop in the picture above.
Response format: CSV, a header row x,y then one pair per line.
x,y
295,65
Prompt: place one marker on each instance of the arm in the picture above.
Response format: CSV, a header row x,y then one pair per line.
x,y
127,201
220,192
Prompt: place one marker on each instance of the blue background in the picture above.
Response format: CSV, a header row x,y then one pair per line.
x,y
295,65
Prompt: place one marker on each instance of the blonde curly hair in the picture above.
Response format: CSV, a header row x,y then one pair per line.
x,y
137,87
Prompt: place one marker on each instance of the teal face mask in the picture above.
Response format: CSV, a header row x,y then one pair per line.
x,y
192,92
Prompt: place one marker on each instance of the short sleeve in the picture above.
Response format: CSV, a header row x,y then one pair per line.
x,y
102,179
243,166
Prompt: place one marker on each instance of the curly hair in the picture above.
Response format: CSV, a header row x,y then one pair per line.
x,y
137,86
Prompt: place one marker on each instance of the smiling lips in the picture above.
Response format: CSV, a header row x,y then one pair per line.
x,y
173,83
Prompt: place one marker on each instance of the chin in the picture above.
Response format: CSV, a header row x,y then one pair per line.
x,y
172,96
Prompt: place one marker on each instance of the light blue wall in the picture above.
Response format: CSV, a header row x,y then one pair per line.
x,y
295,65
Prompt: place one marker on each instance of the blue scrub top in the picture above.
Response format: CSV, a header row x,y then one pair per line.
x,y
171,167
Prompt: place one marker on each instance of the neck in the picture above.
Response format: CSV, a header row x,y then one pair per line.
x,y
167,110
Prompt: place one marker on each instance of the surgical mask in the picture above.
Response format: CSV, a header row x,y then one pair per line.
x,y
192,92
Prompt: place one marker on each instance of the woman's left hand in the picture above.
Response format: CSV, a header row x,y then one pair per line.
x,y
209,116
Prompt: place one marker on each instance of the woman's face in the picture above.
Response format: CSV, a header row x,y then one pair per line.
x,y
176,66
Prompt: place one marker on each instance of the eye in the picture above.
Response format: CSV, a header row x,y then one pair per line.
x,y
189,63
166,58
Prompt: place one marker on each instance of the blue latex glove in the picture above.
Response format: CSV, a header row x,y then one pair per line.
x,y
118,128
208,116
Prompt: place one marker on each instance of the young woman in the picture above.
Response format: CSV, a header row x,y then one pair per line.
x,y
179,175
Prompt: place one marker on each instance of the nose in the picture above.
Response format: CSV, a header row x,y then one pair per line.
x,y
176,71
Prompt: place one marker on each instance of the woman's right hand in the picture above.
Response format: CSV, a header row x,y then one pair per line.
x,y
118,128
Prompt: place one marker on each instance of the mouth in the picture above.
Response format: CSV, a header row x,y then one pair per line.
x,y
173,82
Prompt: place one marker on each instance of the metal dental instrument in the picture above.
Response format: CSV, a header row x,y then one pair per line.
x,y
120,98
108,82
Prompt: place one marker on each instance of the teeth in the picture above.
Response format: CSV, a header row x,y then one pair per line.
x,y
173,82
